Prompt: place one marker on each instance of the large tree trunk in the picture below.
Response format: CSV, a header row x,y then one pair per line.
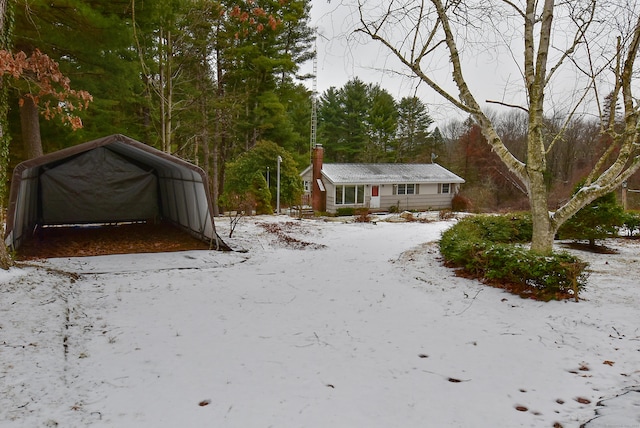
x,y
543,232
218,137
215,182
168,125
5,260
30,124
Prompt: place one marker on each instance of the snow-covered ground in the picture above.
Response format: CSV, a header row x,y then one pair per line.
x,y
318,324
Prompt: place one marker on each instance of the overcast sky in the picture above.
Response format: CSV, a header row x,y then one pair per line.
x,y
343,55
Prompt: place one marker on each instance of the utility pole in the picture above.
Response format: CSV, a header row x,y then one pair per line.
x,y
278,197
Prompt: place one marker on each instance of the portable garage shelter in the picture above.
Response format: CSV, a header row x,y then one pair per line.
x,y
109,180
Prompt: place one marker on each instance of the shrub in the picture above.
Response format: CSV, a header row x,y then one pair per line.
x,y
460,243
631,222
255,197
246,175
459,203
445,215
345,211
362,215
541,276
600,219
489,248
501,228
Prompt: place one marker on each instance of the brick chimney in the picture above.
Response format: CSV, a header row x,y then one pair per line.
x,y
318,192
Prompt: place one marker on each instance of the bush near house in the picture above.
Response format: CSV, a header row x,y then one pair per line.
x,y
345,211
491,249
362,215
461,204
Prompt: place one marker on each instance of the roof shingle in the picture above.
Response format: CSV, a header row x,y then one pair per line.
x,y
362,173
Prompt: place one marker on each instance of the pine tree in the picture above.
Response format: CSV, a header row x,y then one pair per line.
x,y
91,42
331,116
414,141
382,123
600,219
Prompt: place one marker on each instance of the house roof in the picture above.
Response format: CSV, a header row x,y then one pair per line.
x,y
362,173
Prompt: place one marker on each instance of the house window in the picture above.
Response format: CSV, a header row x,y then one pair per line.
x,y
445,188
349,195
406,189
307,186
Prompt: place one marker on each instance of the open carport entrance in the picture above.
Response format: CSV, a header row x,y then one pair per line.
x,y
114,180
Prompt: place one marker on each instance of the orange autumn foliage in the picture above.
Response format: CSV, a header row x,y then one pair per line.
x,y
256,17
46,85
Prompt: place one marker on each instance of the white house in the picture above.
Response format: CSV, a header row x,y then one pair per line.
x,y
378,186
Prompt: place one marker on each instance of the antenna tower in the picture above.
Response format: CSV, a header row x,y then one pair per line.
x,y
314,106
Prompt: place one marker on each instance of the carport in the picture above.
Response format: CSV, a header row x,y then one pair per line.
x,y
110,180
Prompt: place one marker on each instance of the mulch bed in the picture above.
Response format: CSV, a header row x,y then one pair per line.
x,y
523,290
596,249
83,241
281,231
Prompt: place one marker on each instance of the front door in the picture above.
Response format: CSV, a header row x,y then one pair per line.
x,y
375,197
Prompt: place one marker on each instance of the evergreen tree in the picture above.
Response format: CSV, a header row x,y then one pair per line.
x,y
414,141
166,50
331,116
343,116
298,110
242,183
363,123
270,38
256,58
355,101
91,42
201,79
382,122
600,219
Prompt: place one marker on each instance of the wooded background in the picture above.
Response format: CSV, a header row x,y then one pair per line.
x,y
207,80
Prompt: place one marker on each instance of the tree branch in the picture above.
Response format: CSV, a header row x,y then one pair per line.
x,y
580,32
512,163
507,105
515,7
416,69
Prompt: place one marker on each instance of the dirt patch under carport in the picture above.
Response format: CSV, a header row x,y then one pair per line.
x,y
80,241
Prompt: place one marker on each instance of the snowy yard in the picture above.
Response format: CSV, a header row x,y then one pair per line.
x,y
319,324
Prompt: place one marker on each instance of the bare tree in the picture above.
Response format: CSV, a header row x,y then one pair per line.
x,y
596,41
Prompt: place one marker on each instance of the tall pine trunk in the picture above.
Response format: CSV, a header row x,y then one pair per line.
x,y
30,124
5,259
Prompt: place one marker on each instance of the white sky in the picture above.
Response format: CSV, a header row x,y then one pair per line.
x,y
343,55
491,73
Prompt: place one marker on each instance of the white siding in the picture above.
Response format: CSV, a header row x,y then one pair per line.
x,y
428,178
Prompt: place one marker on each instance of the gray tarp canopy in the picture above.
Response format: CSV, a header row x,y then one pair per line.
x,y
109,180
